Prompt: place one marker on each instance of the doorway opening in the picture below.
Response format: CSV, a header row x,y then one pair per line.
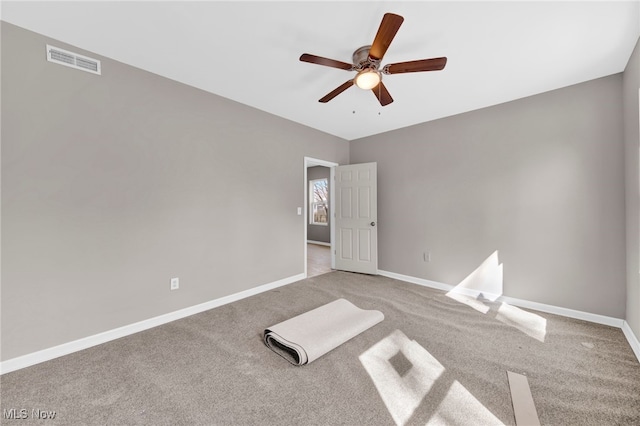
x,y
319,250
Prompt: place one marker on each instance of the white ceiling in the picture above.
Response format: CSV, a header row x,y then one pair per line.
x,y
248,51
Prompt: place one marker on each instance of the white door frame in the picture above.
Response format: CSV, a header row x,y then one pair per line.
x,y
311,162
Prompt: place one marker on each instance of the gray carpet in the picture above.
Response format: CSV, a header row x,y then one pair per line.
x,y
213,368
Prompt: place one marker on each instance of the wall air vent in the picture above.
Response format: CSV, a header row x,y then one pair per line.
x,y
73,60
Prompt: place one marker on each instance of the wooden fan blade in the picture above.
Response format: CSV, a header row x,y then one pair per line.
x,y
386,32
335,92
313,59
382,94
434,64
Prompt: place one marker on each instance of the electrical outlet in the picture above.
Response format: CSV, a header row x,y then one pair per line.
x,y
175,283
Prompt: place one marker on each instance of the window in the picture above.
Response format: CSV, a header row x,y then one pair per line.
x,y
319,202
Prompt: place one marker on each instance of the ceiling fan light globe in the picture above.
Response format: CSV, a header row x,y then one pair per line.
x,y
368,79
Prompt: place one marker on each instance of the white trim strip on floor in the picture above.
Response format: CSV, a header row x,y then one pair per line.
x,y
523,407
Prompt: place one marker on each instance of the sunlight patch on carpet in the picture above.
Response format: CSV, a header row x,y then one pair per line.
x,y
401,392
472,302
485,283
529,323
404,372
460,407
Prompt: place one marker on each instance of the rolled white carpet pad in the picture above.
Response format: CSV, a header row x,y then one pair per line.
x,y
306,337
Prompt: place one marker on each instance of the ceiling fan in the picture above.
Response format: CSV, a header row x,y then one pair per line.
x,y
366,61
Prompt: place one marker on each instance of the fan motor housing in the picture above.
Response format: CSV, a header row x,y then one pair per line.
x,y
361,58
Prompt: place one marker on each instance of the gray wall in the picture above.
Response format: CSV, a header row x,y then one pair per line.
x,y
539,179
631,84
320,233
113,184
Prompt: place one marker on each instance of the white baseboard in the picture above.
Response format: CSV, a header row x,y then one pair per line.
x,y
632,339
565,312
319,243
97,339
414,280
550,309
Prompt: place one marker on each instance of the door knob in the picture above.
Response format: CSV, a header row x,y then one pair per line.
x,y
373,224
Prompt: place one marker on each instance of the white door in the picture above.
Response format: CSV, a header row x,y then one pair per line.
x,y
356,221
